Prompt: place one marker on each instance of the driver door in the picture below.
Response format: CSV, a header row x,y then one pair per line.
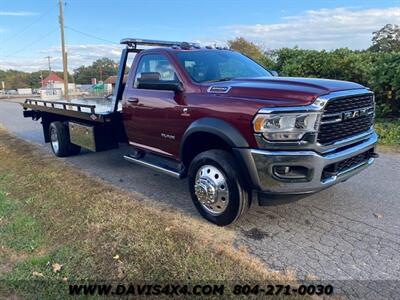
x,y
146,111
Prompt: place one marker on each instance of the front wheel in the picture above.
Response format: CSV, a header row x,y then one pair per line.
x,y
217,188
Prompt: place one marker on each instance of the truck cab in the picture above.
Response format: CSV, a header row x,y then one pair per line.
x,y
238,132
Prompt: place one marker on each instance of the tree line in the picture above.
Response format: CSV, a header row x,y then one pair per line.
x,y
377,67
100,69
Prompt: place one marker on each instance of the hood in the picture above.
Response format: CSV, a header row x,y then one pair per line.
x,y
286,90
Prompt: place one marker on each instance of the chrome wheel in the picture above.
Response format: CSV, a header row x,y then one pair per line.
x,y
211,189
54,140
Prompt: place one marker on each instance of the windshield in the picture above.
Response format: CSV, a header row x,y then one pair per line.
x,y
219,65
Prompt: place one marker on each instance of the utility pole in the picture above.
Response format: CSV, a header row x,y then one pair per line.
x,y
64,55
49,58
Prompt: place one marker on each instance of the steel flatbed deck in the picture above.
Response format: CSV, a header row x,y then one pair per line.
x,y
94,124
94,109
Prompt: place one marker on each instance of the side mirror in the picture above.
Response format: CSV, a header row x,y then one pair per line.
x,y
274,73
164,85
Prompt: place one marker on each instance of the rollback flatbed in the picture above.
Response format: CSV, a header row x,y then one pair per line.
x,y
90,125
238,132
95,124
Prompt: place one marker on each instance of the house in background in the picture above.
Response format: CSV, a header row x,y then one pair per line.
x,y
53,86
111,81
52,80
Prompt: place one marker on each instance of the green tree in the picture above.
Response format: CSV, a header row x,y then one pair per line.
x,y
384,80
14,79
247,48
386,39
100,69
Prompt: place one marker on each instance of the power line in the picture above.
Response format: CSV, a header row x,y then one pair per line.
x,y
29,25
90,35
26,47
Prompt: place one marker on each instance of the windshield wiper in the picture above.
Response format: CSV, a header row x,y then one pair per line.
x,y
220,79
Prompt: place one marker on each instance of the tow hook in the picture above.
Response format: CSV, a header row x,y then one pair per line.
x,y
374,155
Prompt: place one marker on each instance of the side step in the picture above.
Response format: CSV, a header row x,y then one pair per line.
x,y
160,167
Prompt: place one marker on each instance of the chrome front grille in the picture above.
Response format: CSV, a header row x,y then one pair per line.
x,y
346,116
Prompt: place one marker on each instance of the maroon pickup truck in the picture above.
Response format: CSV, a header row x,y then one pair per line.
x,y
215,116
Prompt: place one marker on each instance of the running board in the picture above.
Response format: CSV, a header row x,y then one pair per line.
x,y
160,168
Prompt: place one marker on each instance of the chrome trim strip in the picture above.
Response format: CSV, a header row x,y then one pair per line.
x,y
284,153
337,120
335,114
315,107
319,103
369,110
349,170
368,162
209,90
149,148
315,146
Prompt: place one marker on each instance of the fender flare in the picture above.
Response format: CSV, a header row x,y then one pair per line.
x,y
218,127
231,136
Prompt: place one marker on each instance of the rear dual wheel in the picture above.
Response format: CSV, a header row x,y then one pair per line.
x,y
60,140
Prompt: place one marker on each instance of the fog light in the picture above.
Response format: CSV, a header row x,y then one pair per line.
x,y
282,170
291,172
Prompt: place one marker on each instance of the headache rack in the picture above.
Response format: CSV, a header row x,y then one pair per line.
x,y
134,42
132,47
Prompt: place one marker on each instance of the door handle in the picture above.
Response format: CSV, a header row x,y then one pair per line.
x,y
133,100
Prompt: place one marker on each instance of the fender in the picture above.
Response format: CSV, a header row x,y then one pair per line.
x,y
231,136
220,128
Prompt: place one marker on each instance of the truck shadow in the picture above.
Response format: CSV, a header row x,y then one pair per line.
x,y
146,184
342,201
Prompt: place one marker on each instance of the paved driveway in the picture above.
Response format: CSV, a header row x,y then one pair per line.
x,y
350,231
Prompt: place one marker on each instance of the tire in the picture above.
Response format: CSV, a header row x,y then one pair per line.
x,y
60,142
218,170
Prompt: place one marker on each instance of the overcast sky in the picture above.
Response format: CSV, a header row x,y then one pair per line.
x,y
29,29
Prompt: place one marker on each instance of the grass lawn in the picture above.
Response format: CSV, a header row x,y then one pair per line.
x,y
59,226
389,134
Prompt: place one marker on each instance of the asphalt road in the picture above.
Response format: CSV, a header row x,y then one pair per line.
x,y
348,232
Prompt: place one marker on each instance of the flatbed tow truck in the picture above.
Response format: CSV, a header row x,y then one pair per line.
x,y
237,131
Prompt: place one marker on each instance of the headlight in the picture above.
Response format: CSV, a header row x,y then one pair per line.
x,y
286,126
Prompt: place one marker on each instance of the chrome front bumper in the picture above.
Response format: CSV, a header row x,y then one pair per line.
x,y
261,164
